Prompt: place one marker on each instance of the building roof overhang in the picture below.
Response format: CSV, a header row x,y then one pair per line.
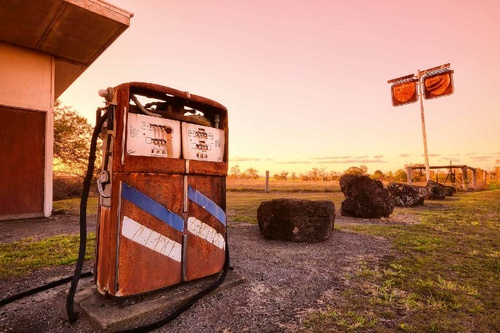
x,y
75,32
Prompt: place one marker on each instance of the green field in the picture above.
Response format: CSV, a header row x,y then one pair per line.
x,y
443,276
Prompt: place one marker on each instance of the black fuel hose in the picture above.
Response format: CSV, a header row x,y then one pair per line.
x,y
36,290
72,316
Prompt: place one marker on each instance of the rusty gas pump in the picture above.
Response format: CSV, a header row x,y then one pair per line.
x,y
162,190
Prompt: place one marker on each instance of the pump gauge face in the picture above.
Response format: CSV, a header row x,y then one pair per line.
x,y
202,143
153,137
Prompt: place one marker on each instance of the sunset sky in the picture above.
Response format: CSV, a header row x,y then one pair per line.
x,y
305,82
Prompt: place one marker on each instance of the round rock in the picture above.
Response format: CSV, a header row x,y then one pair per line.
x,y
296,220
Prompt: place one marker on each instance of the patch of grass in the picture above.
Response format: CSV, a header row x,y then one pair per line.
x,y
29,254
445,278
73,205
242,207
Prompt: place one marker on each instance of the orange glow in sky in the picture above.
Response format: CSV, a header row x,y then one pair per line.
x,y
305,82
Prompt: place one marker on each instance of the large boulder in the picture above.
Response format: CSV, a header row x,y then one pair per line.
x,y
435,191
422,190
364,197
447,190
405,195
296,220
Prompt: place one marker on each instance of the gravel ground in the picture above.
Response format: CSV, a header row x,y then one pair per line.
x,y
284,281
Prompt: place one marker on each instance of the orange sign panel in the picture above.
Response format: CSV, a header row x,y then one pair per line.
x,y
438,85
404,93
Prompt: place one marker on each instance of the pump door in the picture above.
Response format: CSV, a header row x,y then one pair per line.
x,y
161,216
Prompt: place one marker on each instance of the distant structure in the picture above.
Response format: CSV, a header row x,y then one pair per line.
x,y
466,184
45,45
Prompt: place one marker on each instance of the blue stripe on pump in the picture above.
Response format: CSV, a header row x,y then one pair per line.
x,y
207,204
152,207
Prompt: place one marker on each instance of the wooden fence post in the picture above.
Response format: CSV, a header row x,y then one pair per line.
x,y
267,181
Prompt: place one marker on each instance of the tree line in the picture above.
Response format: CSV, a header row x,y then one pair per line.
x,y
321,174
400,175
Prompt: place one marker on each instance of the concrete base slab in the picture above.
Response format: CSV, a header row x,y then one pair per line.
x,y
113,313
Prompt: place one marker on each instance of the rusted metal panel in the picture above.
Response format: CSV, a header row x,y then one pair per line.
x,y
165,221
142,164
206,226
207,168
105,252
150,248
133,256
22,163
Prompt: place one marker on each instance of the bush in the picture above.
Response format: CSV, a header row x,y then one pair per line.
x,y
67,186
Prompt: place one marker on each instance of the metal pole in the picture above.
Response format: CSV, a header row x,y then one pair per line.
x,y
426,154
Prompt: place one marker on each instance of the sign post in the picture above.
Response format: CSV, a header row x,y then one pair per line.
x,y
432,83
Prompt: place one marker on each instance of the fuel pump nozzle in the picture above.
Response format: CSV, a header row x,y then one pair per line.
x,y
101,182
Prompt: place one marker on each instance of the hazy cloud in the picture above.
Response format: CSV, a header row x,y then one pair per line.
x,y
248,159
336,160
345,159
296,162
330,157
404,155
482,158
452,159
363,161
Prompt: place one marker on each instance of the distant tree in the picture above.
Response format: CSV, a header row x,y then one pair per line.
x,y
72,136
495,176
400,176
235,171
378,175
334,175
389,176
315,174
293,176
356,171
283,175
323,175
251,173
304,176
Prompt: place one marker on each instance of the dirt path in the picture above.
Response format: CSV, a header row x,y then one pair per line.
x,y
11,231
284,280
